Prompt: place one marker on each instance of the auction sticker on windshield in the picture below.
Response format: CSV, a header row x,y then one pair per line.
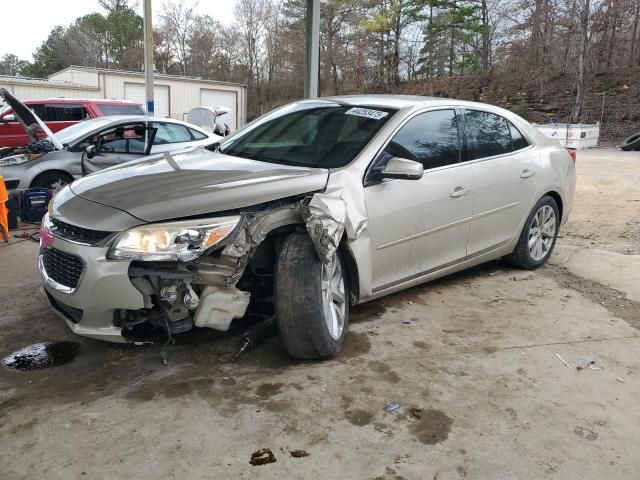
x,y
366,113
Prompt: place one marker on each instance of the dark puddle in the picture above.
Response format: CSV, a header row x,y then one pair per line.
x,y
41,355
262,457
299,453
432,426
366,311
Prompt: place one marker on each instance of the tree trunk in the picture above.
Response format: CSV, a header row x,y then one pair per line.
x,y
634,34
451,46
485,36
583,63
612,42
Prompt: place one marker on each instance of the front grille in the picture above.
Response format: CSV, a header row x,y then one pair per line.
x,y
61,267
77,234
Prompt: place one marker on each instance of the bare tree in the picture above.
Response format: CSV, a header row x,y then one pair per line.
x,y
177,21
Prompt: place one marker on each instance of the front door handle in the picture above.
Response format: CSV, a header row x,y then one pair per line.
x,y
459,192
526,173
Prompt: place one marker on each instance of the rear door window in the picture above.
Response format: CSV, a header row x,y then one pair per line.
x,y
487,134
430,138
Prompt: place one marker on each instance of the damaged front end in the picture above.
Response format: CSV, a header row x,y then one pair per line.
x,y
233,278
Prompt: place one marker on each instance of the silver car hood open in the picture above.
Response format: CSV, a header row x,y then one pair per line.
x,y
29,120
195,182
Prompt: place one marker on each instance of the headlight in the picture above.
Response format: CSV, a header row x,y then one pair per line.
x,y
183,241
18,159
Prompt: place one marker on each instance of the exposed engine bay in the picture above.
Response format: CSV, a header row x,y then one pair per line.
x,y
236,278
39,147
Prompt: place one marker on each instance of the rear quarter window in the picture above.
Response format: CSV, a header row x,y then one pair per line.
x,y
517,139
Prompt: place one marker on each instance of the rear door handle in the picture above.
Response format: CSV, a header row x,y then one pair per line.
x,y
526,173
459,192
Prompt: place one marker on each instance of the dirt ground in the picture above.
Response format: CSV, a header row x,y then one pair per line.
x,y
483,394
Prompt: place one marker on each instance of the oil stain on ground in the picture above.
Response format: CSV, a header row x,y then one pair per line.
x,y
433,427
355,344
41,355
299,453
384,371
267,390
366,311
359,417
262,457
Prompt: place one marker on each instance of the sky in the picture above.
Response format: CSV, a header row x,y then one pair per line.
x,y
40,16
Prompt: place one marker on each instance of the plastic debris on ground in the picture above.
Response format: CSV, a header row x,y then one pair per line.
x,y
562,360
392,407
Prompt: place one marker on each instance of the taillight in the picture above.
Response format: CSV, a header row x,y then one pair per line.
x,y
572,152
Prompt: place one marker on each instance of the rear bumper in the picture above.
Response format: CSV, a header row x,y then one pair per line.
x,y
104,287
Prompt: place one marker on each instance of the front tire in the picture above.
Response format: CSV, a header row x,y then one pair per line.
x,y
538,236
52,180
312,300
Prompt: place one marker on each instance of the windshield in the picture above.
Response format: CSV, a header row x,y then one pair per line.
x,y
75,132
321,134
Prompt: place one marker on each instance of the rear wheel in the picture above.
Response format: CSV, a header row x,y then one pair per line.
x,y
538,236
53,180
632,142
312,308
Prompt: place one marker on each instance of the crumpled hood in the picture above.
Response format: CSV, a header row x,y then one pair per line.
x,y
29,120
195,182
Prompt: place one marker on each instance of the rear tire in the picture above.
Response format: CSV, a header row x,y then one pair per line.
x,y
312,300
538,236
632,142
52,180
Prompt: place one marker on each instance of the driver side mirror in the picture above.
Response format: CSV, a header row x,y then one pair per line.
x,y
403,169
9,118
90,151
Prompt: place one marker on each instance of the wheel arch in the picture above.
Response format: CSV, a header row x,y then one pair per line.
x,y
46,172
558,199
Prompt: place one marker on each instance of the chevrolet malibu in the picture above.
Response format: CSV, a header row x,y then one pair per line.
x,y
315,207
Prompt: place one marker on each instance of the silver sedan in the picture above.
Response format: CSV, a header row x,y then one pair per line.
x,y
317,206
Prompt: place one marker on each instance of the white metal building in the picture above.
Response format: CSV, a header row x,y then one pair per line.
x,y
174,95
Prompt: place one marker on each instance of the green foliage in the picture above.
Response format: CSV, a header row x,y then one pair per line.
x,y
111,40
452,37
11,65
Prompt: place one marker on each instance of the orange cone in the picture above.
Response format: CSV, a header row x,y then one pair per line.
x,y
4,212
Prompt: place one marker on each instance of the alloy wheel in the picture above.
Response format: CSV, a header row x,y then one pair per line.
x,y
542,233
333,297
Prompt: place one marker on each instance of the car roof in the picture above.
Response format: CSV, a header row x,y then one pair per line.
x,y
82,100
401,101
143,118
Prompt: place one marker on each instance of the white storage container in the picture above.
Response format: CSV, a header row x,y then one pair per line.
x,y
572,135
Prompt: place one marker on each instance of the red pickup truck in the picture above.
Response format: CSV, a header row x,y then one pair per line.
x,y
59,113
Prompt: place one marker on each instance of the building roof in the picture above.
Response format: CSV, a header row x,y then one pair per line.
x,y
111,71
44,82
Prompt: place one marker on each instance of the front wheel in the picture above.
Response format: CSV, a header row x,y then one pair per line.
x,y
53,180
538,236
312,300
